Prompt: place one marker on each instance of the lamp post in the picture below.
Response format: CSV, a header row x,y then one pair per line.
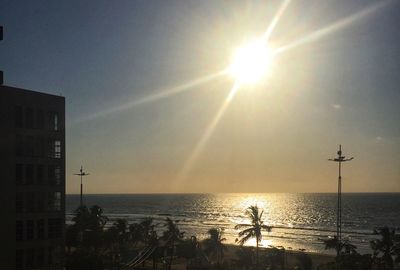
x,y
339,159
81,174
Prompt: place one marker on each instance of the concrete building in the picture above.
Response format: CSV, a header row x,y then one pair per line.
x,y
32,178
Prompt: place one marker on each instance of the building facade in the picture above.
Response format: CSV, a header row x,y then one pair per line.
x,y
32,177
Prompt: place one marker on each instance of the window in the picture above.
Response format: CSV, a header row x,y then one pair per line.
x,y
30,229
29,174
40,229
19,263
57,175
40,174
19,202
39,119
19,230
40,147
29,117
54,121
41,202
54,228
57,149
30,257
30,202
19,174
54,201
30,146
18,116
54,149
20,145
52,174
39,258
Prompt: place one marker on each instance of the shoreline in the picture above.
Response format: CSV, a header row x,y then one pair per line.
x,y
290,258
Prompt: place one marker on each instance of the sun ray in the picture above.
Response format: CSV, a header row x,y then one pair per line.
x,y
336,26
206,136
275,21
166,93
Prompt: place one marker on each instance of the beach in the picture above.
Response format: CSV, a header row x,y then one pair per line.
x,y
300,221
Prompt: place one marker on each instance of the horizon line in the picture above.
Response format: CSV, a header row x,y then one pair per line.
x,y
194,193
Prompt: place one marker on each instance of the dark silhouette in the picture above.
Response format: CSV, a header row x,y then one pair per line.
x,y
244,258
189,249
171,236
254,229
304,261
386,248
213,245
348,257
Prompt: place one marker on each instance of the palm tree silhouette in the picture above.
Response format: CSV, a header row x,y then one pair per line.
x,y
146,229
254,229
387,247
172,236
213,244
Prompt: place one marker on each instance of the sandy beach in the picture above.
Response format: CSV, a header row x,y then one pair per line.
x,y
230,255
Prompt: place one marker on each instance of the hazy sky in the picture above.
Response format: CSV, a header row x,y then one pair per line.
x,y
339,85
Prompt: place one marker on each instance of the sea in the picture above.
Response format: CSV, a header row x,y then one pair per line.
x,y
299,221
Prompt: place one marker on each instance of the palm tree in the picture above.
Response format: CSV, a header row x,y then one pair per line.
x,y
254,229
188,249
97,220
90,224
172,236
146,229
154,242
387,246
213,244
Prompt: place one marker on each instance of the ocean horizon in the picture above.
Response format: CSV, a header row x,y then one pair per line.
x,y
299,220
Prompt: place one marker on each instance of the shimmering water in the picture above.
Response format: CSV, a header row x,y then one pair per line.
x,y
300,220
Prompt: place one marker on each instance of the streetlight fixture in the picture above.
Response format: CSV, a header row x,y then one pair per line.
x,y
339,159
81,174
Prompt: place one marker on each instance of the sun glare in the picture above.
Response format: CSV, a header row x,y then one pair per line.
x,y
251,62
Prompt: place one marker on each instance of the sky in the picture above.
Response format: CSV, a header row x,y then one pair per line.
x,y
146,103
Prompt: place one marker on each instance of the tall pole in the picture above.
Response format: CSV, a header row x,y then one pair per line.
x,y
339,160
81,174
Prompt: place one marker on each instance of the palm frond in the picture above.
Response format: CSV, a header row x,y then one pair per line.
x,y
239,226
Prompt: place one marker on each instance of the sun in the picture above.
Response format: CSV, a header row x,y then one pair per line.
x,y
251,62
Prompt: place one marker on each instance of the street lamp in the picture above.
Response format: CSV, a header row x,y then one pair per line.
x,y
81,174
339,159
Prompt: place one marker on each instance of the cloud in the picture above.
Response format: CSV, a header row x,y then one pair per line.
x,y
336,106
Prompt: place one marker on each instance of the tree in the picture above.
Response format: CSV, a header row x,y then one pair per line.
x,y
146,228
386,247
254,229
214,244
348,257
71,237
89,224
87,235
172,236
188,249
345,247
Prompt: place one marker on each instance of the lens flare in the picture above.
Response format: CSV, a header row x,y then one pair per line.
x,y
251,62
